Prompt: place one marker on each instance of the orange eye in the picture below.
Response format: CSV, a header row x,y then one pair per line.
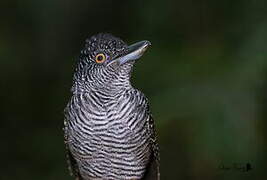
x,y
100,58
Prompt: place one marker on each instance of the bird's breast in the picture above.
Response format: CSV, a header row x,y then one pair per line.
x,y
107,136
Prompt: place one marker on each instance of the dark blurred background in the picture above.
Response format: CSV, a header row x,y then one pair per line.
x,y
205,76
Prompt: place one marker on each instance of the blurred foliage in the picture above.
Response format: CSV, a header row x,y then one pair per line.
x,y
205,77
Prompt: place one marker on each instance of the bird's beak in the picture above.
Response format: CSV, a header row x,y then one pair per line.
x,y
135,51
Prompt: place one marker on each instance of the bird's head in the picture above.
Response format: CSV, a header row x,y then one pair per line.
x,y
106,62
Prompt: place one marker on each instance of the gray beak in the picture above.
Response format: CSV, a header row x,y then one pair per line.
x,y
135,51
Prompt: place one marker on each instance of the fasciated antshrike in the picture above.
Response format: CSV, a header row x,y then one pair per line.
x,y
109,130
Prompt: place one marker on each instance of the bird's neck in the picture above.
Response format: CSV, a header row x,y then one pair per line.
x,y
117,86
118,82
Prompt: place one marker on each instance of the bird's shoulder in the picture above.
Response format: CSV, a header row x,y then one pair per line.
x,y
143,106
136,96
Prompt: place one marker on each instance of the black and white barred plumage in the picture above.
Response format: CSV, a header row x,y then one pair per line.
x,y
109,131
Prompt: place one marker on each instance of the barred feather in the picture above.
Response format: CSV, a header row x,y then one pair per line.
x,y
109,132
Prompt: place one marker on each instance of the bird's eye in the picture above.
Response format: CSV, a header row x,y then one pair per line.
x,y
100,58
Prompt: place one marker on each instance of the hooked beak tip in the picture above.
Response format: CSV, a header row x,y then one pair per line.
x,y
135,51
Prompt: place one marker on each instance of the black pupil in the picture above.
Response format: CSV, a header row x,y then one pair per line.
x,y
100,58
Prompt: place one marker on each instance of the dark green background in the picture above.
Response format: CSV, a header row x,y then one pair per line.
x,y
205,76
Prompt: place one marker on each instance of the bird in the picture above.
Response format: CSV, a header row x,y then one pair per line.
x,y
109,131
